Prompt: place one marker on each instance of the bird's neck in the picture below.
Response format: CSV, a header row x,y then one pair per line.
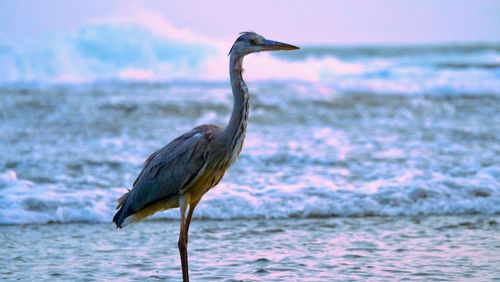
x,y
234,133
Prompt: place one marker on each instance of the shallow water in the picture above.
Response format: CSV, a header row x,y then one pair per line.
x,y
343,249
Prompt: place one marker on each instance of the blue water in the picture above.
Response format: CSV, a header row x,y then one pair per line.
x,y
113,51
334,131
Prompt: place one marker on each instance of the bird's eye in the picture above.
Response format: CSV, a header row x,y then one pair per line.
x,y
252,41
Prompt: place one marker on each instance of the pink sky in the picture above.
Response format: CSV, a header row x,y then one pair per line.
x,y
302,22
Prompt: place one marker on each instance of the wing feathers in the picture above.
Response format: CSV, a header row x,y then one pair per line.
x,y
169,171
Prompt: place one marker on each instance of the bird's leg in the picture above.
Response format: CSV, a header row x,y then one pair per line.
x,y
188,219
183,204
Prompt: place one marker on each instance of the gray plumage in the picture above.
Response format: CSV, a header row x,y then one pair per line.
x,y
179,174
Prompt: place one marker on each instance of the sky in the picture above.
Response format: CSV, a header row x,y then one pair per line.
x,y
301,22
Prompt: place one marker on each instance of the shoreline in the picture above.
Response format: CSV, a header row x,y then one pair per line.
x,y
416,218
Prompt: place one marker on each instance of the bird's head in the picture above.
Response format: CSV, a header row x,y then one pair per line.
x,y
251,42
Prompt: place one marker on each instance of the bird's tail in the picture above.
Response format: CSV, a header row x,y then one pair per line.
x,y
126,215
120,215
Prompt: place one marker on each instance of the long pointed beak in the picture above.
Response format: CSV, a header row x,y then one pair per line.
x,y
270,45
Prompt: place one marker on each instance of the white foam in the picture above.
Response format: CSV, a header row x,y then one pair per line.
x,y
410,194
23,202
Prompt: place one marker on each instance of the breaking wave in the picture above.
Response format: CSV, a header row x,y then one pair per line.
x,y
153,50
61,139
24,202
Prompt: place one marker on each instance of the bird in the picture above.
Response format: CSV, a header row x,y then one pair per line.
x,y
180,173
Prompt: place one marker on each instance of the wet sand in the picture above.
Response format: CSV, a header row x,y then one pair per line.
x,y
376,249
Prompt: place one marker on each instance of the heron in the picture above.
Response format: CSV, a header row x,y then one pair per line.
x,y
180,173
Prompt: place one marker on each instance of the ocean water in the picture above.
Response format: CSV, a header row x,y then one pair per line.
x,y
451,248
334,131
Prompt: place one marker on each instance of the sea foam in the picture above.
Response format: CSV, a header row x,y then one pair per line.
x,y
22,202
313,150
